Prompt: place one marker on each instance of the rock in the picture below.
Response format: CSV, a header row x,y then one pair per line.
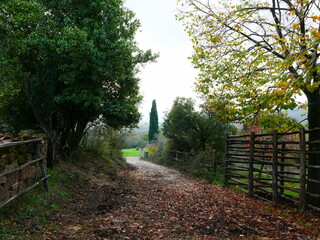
x,y
12,179
10,157
2,191
23,149
3,180
3,161
9,168
28,157
22,186
22,159
27,172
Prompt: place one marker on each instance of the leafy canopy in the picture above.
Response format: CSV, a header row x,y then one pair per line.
x,y
68,62
255,57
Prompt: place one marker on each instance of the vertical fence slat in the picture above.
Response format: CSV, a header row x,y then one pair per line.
x,y
275,195
225,180
302,145
250,183
42,167
283,147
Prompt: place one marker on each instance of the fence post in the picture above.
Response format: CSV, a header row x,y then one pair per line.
x,y
42,167
275,195
302,146
225,180
250,183
283,147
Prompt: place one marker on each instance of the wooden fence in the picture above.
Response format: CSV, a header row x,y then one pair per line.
x,y
209,162
272,166
16,179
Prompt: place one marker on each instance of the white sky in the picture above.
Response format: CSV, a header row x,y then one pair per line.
x,y
172,75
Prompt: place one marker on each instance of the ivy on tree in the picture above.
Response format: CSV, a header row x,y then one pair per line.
x,y
66,63
154,123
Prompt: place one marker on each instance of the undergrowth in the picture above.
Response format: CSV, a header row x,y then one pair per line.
x,y
31,209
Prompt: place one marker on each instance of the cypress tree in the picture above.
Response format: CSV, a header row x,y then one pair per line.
x,y
153,124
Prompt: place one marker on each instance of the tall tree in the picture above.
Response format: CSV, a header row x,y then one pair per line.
x,y
66,63
154,123
255,57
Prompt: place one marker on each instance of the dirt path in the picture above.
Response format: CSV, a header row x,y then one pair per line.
x,y
154,202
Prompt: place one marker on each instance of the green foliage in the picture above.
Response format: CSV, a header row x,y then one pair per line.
x,y
199,138
255,58
66,63
33,207
177,122
189,130
105,142
154,123
132,152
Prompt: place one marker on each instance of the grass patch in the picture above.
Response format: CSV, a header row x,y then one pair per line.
x,y
32,208
132,152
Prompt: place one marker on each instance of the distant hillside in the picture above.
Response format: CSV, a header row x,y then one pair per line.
x,y
141,129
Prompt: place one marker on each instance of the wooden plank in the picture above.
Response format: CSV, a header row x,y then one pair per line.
x,y
290,189
264,190
314,142
239,182
237,155
262,198
313,152
303,163
289,142
286,157
22,166
261,156
262,162
42,168
243,146
313,166
237,161
282,152
313,207
23,191
288,197
237,136
262,171
10,144
287,151
313,194
290,173
262,185
289,133
288,177
275,167
289,164
314,181
250,183
234,175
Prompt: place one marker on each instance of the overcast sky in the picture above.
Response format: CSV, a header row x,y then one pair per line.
x,y
172,75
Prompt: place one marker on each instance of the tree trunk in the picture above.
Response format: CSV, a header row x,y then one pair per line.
x,y
314,159
75,138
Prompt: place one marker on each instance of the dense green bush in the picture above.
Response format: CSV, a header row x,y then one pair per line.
x,y
105,142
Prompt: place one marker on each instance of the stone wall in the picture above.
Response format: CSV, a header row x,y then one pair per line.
x,y
14,156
